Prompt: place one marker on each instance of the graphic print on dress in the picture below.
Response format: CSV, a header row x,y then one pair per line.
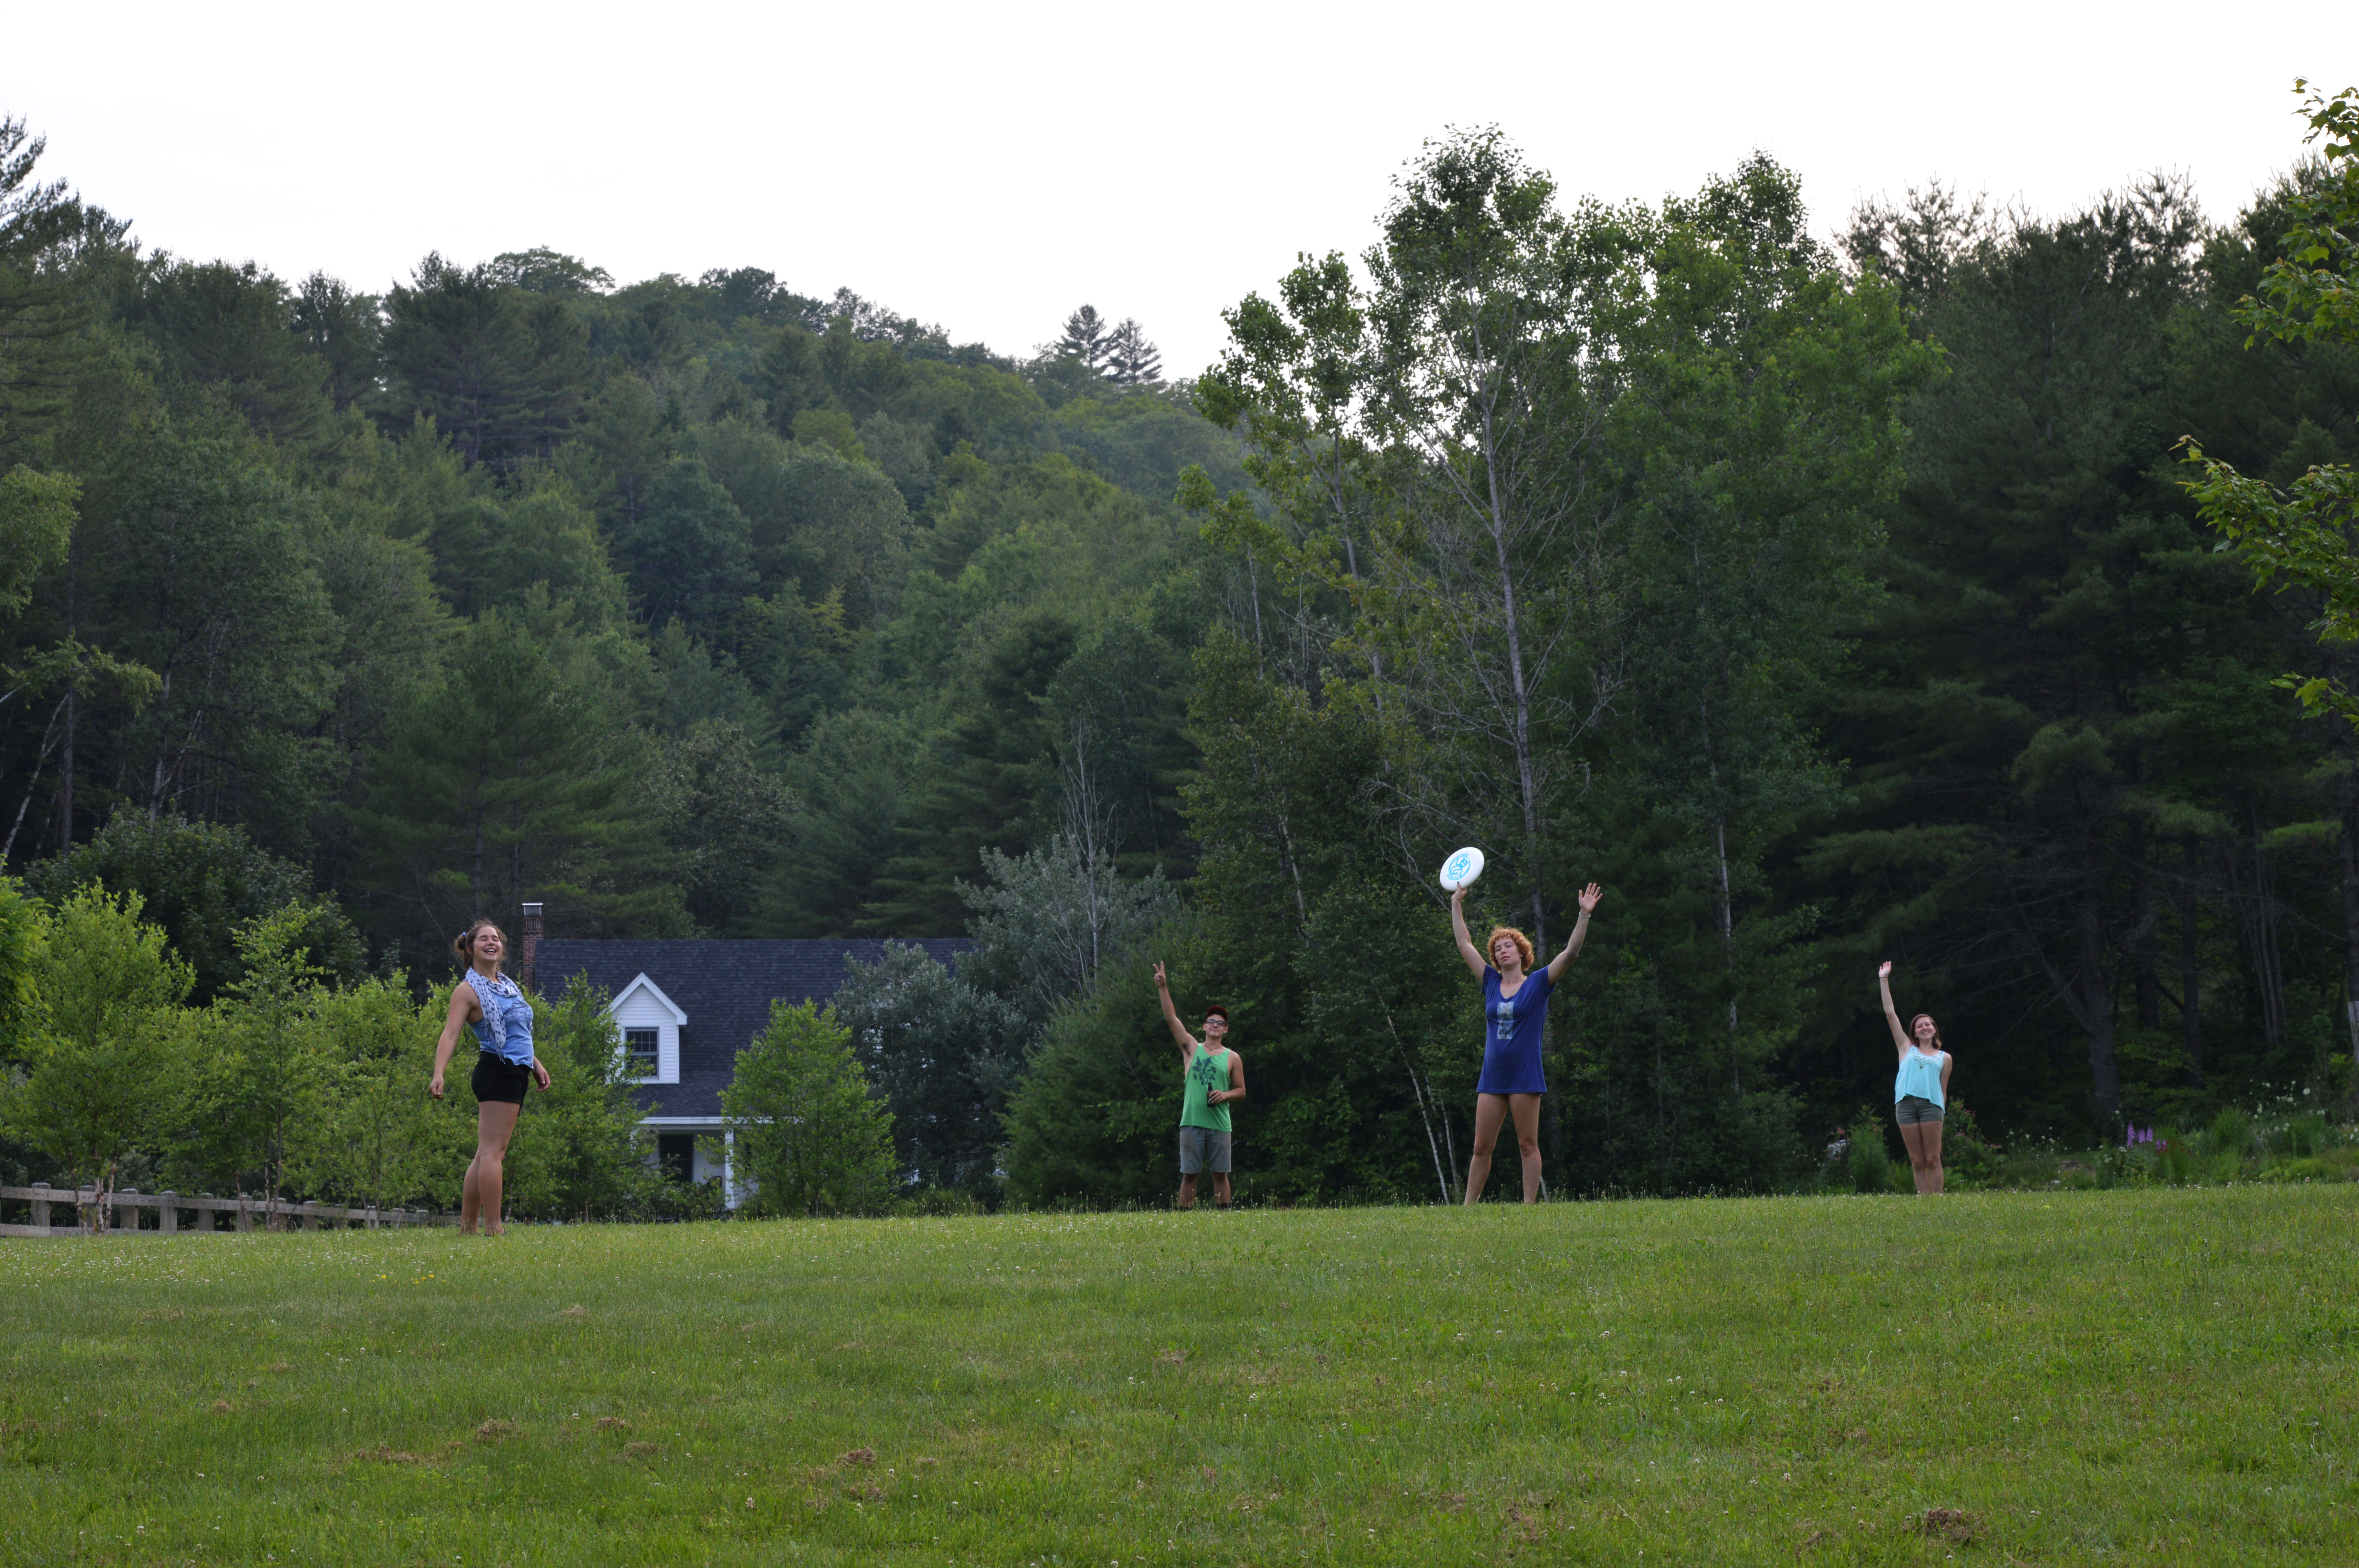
x,y
1502,1018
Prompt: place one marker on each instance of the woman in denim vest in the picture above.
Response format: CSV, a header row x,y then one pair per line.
x,y
505,1067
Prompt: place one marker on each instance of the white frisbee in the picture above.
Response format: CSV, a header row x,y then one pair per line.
x,y
1461,870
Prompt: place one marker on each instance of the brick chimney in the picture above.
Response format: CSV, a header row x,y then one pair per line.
x,y
529,941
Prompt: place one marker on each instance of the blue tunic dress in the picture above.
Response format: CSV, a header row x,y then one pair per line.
x,y
1511,1035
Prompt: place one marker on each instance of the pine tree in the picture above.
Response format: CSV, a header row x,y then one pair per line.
x,y
500,782
690,553
498,368
1130,358
340,327
231,327
41,311
1085,337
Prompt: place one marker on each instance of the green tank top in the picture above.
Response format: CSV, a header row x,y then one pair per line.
x,y
1207,1071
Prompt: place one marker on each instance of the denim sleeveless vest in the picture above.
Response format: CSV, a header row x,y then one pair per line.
x,y
506,1027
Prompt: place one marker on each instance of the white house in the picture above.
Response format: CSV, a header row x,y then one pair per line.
x,y
687,1008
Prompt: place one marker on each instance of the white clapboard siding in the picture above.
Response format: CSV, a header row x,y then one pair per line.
x,y
643,1005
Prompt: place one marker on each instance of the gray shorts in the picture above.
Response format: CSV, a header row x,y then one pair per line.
x,y
1910,1109
1203,1149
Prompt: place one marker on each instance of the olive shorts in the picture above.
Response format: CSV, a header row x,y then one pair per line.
x,y
1910,1109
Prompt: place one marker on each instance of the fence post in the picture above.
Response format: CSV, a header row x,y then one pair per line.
x,y
41,1206
245,1214
167,1219
311,1216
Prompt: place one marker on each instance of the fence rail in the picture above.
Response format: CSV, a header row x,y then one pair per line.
x,y
122,1213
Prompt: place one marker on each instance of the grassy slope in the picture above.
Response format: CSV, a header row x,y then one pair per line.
x,y
1709,1382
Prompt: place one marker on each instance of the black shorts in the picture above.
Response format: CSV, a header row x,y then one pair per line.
x,y
497,1079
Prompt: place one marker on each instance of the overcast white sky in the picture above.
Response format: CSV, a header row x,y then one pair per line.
x,y
992,166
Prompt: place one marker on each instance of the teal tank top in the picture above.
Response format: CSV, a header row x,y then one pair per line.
x,y
1921,1075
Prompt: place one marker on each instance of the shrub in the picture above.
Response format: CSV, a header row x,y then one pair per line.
x,y
923,1202
2308,1170
1966,1155
2174,1154
373,1136
203,883
2230,1134
1870,1164
2301,1137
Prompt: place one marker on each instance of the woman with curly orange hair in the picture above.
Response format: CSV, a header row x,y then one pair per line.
x,y
1515,1012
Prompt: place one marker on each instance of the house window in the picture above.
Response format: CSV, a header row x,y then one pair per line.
x,y
641,1045
676,1153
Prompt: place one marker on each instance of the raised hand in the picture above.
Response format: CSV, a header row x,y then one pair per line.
x,y
1885,972
1161,983
1589,897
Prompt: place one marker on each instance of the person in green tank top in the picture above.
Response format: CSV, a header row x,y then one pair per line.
x,y
1215,1080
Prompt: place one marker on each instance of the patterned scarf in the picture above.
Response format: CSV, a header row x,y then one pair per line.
x,y
495,1022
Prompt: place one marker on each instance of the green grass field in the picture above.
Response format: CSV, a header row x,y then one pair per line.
x,y
2159,1375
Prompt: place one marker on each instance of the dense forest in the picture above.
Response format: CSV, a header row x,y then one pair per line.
x,y
1826,603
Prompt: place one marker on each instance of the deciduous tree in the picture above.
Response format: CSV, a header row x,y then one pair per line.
x,y
811,1136
107,1068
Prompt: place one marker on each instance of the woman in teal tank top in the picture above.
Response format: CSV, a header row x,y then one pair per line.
x,y
1920,1090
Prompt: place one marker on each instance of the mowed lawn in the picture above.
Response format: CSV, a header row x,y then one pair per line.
x,y
2154,1374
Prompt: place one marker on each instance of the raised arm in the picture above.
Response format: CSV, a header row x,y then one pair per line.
x,y
1589,897
462,1004
1892,1015
1466,940
1171,1015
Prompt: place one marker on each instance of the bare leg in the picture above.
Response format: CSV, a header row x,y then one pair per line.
x,y
494,1125
1187,1192
1489,1112
1913,1133
470,1202
1932,1132
1220,1198
1525,1109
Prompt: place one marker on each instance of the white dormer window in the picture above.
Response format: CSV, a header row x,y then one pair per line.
x,y
650,1023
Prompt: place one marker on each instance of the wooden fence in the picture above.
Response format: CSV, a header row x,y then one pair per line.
x,y
203,1213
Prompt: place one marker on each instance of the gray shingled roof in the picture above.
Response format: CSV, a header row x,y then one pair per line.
x,y
725,988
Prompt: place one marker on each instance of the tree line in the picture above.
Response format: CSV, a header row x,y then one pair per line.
x,y
1827,602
